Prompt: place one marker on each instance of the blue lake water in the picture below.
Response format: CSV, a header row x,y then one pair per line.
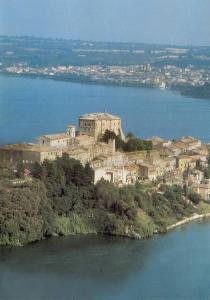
x,y
171,266
30,107
166,267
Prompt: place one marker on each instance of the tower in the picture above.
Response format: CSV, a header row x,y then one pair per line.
x,y
71,131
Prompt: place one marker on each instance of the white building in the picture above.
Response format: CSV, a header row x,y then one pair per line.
x,y
60,140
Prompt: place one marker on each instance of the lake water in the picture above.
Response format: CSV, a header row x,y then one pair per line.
x,y
31,107
171,266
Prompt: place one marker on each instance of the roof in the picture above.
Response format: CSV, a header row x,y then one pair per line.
x,y
56,136
147,165
189,157
188,139
99,116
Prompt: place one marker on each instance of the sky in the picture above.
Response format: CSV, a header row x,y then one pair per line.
x,y
181,22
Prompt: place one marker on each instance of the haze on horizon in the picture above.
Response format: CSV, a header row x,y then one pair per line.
x,y
175,22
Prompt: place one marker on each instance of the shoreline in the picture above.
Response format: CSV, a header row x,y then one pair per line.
x,y
132,235
105,83
188,220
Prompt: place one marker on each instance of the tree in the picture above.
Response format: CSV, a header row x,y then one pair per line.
x,y
119,143
194,197
132,143
20,169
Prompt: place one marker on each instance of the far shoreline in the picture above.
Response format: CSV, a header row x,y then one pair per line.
x,y
100,83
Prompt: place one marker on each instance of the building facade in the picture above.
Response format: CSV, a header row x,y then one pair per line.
x,y
60,140
203,189
95,125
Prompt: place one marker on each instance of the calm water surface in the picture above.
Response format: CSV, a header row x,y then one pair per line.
x,y
172,266
30,107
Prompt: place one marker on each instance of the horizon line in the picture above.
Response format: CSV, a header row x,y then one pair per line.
x,y
108,42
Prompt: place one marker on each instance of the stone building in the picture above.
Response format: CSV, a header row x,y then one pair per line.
x,y
95,124
203,189
149,171
59,140
185,162
114,175
84,149
28,153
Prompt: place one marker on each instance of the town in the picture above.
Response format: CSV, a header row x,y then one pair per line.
x,y
184,162
146,75
186,69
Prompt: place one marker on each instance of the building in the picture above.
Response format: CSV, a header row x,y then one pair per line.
x,y
165,164
71,131
183,145
95,124
60,140
28,153
159,143
191,143
195,176
117,176
203,189
149,171
132,175
185,162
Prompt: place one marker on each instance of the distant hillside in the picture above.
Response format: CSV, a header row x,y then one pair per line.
x,y
197,92
47,52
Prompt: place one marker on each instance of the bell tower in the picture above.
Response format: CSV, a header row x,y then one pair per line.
x,y
71,131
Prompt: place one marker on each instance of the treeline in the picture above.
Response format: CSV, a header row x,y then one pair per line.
x,y
131,143
62,199
197,91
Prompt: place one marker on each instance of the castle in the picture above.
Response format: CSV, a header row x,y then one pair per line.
x,y
96,124
167,162
84,146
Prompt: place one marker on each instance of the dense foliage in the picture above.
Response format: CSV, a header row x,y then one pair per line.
x,y
197,91
62,199
131,143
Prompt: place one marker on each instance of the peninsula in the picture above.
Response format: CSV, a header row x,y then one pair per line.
x,y
99,180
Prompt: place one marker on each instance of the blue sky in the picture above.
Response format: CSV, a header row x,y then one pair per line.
x,y
181,22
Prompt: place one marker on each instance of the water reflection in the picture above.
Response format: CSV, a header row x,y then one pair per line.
x,y
80,256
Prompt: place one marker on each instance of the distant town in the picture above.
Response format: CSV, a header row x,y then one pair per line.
x,y
186,69
169,76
